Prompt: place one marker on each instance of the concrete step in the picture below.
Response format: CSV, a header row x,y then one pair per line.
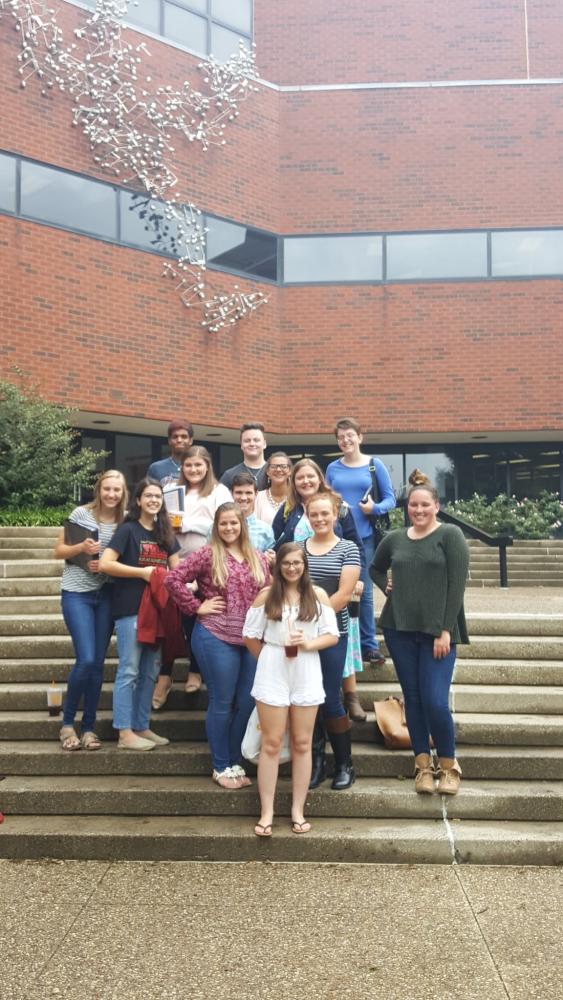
x,y
521,581
40,646
30,625
189,758
29,586
474,698
39,553
520,543
534,573
517,624
231,838
22,532
513,647
384,798
491,728
31,567
35,605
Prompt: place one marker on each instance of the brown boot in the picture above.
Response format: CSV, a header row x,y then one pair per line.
x,y
449,776
423,774
353,706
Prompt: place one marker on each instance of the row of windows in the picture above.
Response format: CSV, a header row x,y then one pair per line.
x,y
71,201
208,26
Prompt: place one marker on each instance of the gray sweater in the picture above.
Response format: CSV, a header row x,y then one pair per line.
x,y
428,576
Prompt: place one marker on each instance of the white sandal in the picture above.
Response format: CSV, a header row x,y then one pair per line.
x,y
227,778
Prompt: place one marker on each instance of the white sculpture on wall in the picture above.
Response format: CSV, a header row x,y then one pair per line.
x,y
132,128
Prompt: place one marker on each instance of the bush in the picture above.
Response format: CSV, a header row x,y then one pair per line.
x,y
34,517
40,464
527,518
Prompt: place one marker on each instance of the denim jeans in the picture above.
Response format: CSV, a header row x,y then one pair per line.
x,y
137,671
332,666
88,618
228,672
426,686
367,612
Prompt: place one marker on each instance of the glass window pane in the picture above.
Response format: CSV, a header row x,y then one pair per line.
x,y
240,248
68,200
144,223
189,29
200,5
437,255
7,183
333,258
133,455
145,13
238,13
225,43
533,252
437,466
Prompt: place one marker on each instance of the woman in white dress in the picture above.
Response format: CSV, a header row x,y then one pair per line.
x,y
285,628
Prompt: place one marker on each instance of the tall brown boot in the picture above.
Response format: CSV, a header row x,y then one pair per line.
x,y
353,707
449,776
424,774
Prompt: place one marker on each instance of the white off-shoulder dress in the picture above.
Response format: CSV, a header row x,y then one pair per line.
x,y
281,681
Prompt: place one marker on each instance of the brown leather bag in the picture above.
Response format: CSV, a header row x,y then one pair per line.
x,y
392,724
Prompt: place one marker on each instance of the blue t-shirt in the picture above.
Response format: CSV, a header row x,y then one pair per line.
x,y
352,482
165,472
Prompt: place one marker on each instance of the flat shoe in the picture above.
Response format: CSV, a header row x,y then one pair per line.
x,y
263,830
159,700
138,744
159,741
303,827
193,683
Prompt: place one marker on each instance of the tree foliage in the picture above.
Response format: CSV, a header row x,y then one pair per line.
x,y
40,464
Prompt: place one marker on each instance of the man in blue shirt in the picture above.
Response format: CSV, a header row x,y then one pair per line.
x,y
351,477
244,494
180,437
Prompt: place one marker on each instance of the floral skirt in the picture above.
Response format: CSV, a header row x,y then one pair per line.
x,y
354,663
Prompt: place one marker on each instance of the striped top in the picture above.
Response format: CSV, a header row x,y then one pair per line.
x,y
326,570
79,580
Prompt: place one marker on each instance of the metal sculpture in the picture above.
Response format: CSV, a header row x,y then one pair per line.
x,y
131,129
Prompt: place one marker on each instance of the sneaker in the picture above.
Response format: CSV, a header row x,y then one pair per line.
x,y
374,656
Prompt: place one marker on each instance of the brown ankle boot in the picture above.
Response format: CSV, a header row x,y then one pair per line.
x,y
449,776
423,774
353,706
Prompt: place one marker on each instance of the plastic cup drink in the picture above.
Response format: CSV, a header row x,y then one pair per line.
x,y
176,520
354,607
54,700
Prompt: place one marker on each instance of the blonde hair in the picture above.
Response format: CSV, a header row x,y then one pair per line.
x,y
219,549
96,504
334,499
208,483
419,481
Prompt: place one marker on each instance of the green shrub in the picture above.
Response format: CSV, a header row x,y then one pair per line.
x,y
28,517
541,517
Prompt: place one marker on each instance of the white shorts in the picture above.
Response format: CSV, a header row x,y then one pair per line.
x,y
281,682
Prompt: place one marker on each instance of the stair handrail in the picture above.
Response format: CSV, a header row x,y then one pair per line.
x,y
493,541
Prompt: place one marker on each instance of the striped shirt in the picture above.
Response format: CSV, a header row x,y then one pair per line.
x,y
326,570
79,580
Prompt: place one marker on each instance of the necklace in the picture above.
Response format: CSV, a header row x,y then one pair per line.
x,y
272,501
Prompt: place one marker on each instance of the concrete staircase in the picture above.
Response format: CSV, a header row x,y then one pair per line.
x,y
530,564
508,701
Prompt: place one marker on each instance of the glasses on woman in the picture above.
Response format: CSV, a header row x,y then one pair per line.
x,y
292,565
278,468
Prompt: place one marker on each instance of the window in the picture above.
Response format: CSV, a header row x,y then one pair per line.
x,y
436,255
439,468
240,248
146,14
332,258
225,43
184,27
68,200
7,183
236,13
527,253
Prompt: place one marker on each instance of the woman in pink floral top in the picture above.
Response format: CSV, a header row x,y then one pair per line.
x,y
229,574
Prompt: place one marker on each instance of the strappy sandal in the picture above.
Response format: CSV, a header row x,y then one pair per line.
x,y
263,829
240,773
90,741
226,779
300,828
70,742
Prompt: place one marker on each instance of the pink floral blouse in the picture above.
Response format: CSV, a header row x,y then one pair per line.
x,y
239,593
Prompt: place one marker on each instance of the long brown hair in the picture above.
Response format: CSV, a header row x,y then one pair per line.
x,y
162,528
293,498
96,505
219,549
308,601
208,483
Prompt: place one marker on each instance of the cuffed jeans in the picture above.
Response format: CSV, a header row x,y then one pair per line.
x,y
228,671
137,671
332,666
367,611
425,683
88,618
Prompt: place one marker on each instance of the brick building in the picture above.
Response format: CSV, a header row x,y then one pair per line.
x,y
394,185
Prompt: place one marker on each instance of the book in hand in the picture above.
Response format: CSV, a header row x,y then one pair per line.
x,y
174,496
75,533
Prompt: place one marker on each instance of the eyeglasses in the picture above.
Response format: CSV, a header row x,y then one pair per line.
x,y
292,565
278,468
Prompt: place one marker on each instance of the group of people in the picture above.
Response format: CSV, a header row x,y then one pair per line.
x,y
266,575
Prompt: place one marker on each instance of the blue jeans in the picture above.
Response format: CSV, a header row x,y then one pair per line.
x,y
426,686
88,618
367,612
332,666
136,675
228,672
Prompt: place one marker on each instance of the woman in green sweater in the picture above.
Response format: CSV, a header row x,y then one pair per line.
x,y
423,570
